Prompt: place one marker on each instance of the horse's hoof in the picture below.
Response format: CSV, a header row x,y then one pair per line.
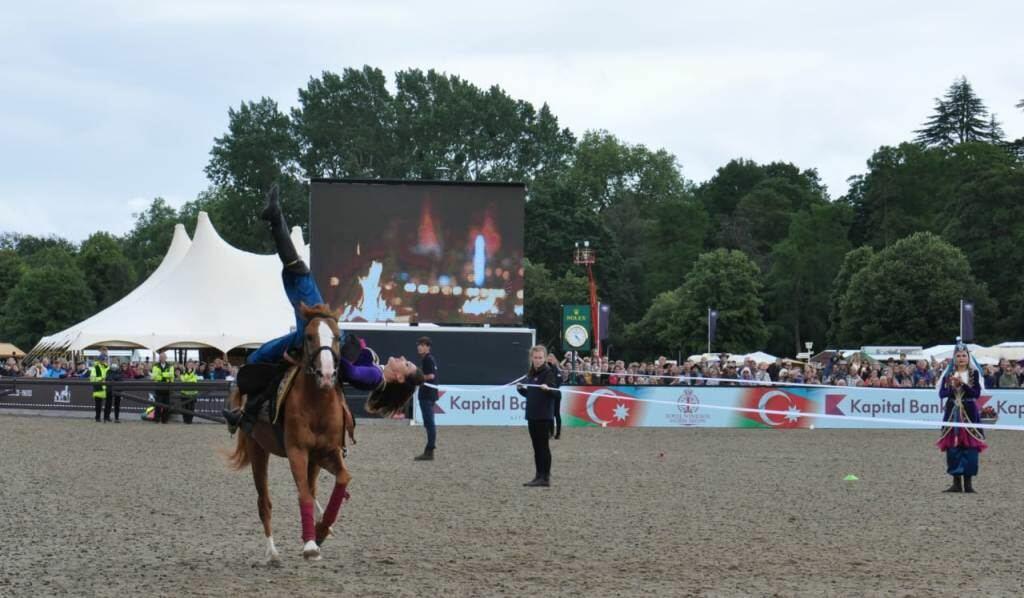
x,y
320,539
311,551
271,553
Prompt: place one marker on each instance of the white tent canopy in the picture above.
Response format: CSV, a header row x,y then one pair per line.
x,y
205,293
1008,350
940,352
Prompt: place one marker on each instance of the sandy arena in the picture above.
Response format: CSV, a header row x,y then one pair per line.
x,y
140,509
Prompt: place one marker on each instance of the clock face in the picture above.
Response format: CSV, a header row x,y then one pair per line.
x,y
576,335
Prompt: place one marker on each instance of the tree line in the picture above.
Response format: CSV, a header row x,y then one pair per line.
x,y
932,220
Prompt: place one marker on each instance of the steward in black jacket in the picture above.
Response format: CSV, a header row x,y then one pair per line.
x,y
540,411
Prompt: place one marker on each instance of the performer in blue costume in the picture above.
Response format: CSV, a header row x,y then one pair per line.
x,y
961,386
391,385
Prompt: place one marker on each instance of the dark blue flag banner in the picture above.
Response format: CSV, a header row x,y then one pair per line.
x,y
966,321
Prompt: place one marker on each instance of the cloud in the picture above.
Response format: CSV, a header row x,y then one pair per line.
x,y
105,103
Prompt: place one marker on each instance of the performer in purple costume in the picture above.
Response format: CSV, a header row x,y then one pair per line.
x,y
961,386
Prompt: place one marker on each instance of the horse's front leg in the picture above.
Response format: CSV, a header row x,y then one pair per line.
x,y
258,458
334,463
298,460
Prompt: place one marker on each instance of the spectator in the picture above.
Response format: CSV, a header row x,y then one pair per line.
x,y
922,372
762,376
991,376
1007,376
10,369
219,372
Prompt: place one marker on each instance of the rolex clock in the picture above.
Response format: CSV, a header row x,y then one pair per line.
x,y
576,336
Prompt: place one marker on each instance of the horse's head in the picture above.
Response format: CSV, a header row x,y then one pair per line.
x,y
321,343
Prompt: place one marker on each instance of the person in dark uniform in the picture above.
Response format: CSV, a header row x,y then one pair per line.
x,y
114,374
427,396
540,391
556,430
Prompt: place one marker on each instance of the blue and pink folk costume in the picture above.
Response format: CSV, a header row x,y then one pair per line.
x,y
962,444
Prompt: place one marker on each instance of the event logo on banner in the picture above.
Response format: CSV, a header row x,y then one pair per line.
x,y
688,411
786,403
602,406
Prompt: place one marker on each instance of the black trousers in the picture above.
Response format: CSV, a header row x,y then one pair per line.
x,y
557,430
540,431
113,401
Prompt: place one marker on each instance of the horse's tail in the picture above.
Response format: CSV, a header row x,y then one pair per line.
x,y
240,457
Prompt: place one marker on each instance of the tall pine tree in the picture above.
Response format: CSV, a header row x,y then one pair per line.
x,y
960,116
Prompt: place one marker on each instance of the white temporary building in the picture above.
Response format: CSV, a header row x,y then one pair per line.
x,y
205,293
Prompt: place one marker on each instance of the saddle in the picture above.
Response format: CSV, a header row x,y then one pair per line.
x,y
274,380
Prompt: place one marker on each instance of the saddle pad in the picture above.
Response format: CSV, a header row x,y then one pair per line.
x,y
282,390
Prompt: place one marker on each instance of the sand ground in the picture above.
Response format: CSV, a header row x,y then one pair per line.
x,y
139,509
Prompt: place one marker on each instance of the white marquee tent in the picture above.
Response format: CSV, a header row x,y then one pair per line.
x,y
205,293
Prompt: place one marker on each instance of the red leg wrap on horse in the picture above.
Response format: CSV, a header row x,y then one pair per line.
x,y
308,524
334,505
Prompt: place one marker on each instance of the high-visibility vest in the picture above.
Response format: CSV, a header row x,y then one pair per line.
x,y
98,373
163,373
189,377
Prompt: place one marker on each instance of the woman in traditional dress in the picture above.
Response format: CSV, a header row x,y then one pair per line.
x,y
961,386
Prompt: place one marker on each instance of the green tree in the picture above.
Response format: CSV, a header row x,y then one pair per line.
x,y
909,292
26,245
54,255
960,116
903,192
149,239
750,204
545,296
854,261
46,300
345,126
258,149
108,272
726,280
986,222
11,269
804,266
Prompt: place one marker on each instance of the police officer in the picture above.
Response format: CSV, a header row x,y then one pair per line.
x,y
427,396
189,396
162,372
98,377
115,374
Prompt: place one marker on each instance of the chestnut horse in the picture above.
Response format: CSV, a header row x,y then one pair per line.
x,y
315,419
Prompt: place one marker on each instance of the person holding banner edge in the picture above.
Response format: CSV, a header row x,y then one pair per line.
x,y
540,392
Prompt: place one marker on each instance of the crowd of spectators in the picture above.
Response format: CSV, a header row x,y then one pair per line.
x,y
892,373
44,367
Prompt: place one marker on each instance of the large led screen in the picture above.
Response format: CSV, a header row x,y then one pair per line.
x,y
444,253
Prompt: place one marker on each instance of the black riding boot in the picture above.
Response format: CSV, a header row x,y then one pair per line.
x,y
246,417
968,486
957,486
282,237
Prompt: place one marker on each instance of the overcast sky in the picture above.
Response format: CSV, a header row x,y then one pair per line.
x,y
106,105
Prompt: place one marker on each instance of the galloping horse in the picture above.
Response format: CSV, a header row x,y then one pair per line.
x,y
315,419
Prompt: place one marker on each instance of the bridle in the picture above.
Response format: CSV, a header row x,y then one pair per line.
x,y
312,361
